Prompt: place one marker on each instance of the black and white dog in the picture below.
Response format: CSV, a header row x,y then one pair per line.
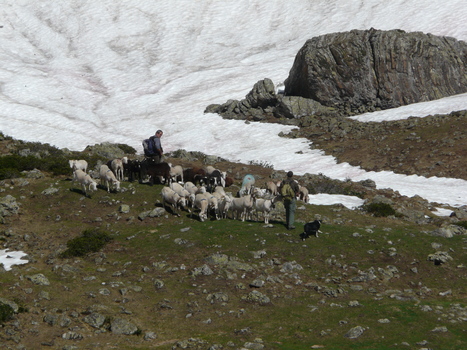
x,y
311,229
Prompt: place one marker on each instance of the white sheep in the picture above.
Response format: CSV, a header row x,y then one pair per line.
x,y
190,187
224,203
220,190
272,187
209,169
213,204
265,206
84,180
303,194
117,167
78,164
241,206
171,197
201,203
107,176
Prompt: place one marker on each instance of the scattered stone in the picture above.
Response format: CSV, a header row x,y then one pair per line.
x,y
355,332
124,208
39,279
448,292
449,231
72,336
50,191
10,303
95,320
257,297
439,257
442,329
8,206
257,283
150,336
204,270
122,326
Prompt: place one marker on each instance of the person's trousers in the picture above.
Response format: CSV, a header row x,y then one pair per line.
x,y
290,206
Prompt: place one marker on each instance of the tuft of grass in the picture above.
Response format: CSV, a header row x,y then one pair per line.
x,y
261,163
91,241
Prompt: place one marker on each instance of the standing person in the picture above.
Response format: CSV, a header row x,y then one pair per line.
x,y
154,150
290,191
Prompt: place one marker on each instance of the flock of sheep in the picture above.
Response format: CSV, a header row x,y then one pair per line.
x,y
201,190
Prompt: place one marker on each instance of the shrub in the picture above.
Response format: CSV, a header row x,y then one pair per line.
x,y
379,209
9,173
126,148
11,166
462,224
92,240
6,312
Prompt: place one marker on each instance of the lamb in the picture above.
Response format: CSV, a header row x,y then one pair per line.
x,y
78,164
265,206
172,197
85,180
107,176
242,206
201,203
117,167
175,172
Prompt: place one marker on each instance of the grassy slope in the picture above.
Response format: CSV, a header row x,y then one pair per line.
x,y
301,313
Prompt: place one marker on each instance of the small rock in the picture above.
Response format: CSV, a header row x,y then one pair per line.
x,y
355,332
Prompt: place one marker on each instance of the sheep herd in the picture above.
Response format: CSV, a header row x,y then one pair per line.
x,y
200,190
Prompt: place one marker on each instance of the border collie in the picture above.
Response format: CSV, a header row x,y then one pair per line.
x,y
311,229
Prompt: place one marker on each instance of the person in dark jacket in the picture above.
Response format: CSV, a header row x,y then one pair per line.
x,y
157,147
290,201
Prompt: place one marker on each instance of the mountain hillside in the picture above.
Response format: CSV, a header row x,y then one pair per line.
x,y
393,277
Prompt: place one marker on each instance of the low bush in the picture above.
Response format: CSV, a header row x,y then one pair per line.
x,y
126,148
379,209
12,165
6,312
92,240
462,224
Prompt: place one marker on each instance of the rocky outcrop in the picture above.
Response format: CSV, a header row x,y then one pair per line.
x,y
365,70
355,72
262,103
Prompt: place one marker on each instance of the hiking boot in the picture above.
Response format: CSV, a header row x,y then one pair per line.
x,y
291,228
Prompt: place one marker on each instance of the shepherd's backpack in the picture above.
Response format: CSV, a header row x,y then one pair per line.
x,y
148,147
287,192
